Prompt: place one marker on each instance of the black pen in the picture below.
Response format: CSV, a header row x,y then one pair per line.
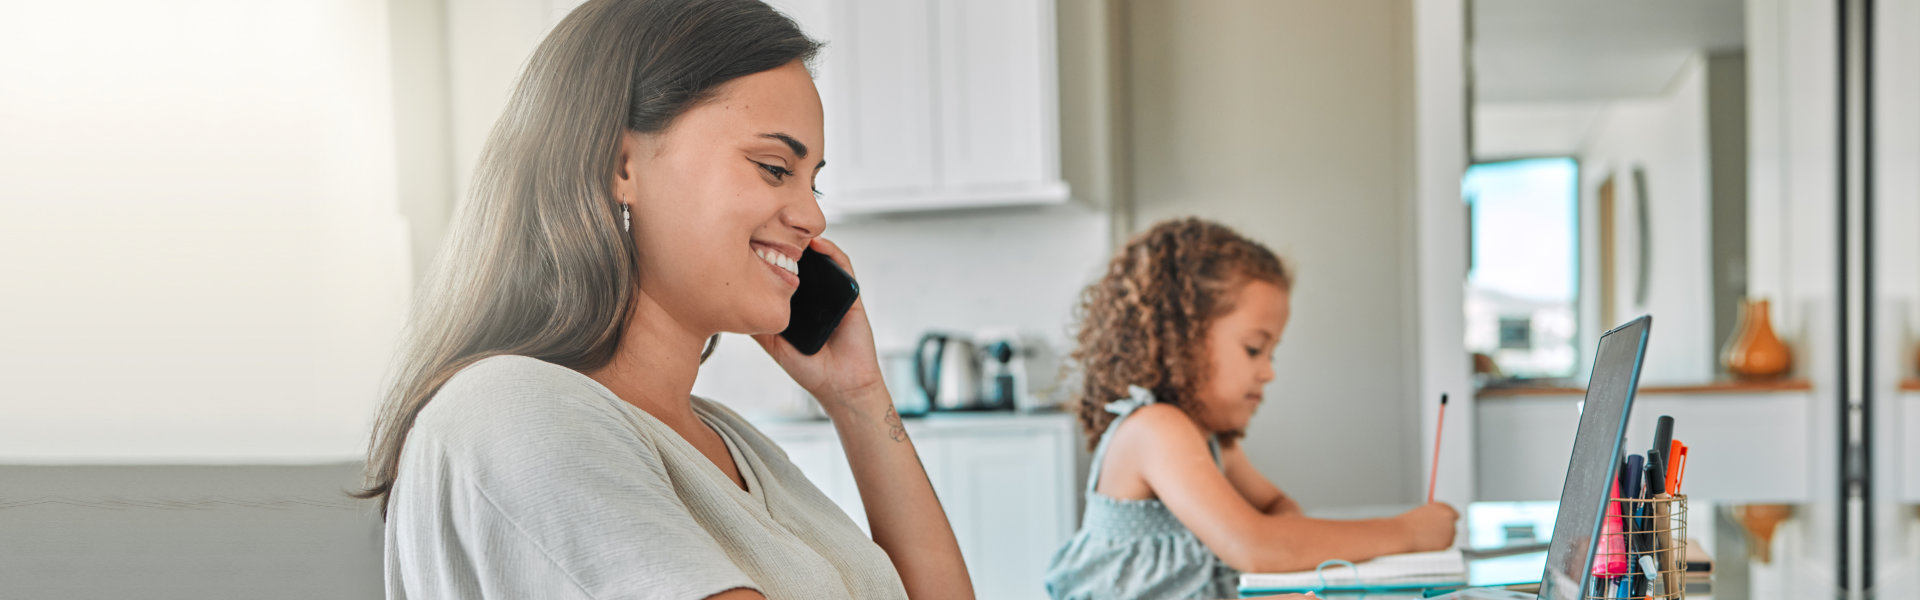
x,y
1666,549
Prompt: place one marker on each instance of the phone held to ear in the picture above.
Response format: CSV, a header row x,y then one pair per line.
x,y
826,292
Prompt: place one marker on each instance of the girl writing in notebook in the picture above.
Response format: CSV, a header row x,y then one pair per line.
x,y
1176,345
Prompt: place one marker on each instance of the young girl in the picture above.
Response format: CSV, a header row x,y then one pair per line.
x,y
1176,344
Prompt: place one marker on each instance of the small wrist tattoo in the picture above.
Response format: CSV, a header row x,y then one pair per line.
x,y
895,428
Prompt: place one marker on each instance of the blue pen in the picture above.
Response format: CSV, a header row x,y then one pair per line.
x,y
1635,465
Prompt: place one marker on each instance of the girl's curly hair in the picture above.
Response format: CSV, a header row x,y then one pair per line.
x,y
1145,321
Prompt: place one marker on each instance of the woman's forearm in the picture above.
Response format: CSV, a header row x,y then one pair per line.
x,y
902,511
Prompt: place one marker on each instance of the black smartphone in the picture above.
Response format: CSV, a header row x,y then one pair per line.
x,y
826,292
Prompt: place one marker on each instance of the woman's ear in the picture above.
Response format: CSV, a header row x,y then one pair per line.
x,y
634,148
624,167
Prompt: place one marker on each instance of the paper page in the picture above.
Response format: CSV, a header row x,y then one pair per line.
x,y
1445,566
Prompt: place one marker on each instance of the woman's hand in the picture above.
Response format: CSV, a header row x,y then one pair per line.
x,y
903,514
1430,526
845,374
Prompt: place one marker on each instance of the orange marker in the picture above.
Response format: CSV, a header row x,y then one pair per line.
x,y
1676,466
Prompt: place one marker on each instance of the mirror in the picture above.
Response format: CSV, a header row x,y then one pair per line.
x,y
1609,176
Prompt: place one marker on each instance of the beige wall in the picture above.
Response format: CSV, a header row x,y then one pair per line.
x,y
211,258
1292,122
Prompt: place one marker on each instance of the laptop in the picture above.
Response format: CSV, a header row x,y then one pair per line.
x,y
1596,453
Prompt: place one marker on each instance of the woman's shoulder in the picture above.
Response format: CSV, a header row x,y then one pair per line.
x,y
508,397
507,381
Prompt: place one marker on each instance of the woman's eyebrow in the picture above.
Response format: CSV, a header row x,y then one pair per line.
x,y
799,149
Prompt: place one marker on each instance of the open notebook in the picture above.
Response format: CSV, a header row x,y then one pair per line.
x,y
1419,570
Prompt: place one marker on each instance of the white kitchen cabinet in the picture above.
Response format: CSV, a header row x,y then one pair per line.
x,y
1003,493
930,104
1009,484
999,95
936,104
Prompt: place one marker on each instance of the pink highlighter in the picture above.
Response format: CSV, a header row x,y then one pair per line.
x,y
1612,561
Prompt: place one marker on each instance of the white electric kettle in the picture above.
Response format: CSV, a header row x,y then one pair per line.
x,y
947,367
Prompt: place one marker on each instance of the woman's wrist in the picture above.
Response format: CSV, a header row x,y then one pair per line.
x,y
866,401
867,412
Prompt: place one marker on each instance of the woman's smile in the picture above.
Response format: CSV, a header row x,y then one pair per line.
x,y
781,259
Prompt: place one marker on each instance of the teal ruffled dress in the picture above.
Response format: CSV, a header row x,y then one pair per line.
x,y
1135,548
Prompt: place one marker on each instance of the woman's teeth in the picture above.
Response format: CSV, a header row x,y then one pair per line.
x,y
779,260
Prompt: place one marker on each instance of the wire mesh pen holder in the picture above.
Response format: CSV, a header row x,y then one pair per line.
x,y
1645,558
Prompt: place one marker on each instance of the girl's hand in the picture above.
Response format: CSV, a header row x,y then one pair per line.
x,y
845,374
1431,526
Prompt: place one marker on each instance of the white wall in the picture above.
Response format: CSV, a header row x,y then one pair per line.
x,y
1291,122
1896,423
1507,130
1667,137
1792,197
203,259
1439,232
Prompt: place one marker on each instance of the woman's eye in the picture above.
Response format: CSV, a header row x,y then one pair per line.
x,y
1253,352
779,173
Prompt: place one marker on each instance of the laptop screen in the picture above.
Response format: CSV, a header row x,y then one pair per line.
x,y
1596,454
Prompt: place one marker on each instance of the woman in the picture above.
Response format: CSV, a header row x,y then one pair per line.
x,y
648,187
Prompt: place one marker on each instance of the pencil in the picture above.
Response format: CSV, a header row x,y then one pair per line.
x,y
1437,428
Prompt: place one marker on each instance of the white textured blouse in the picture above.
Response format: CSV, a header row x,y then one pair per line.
x,y
526,479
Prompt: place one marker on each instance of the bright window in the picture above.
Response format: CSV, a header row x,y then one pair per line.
x,y
1523,272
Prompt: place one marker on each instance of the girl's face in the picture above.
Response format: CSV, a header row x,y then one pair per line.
x,y
1239,348
723,202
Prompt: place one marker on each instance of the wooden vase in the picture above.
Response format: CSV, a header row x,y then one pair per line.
x,y
1760,520
1755,352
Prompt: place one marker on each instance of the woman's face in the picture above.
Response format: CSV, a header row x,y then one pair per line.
x,y
723,202
1240,347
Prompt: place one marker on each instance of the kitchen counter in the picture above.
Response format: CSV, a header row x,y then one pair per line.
x,y
1725,386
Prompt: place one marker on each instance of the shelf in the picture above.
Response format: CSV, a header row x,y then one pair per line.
x,y
1716,387
1910,384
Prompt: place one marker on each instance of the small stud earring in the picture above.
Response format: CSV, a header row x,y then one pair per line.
x,y
626,218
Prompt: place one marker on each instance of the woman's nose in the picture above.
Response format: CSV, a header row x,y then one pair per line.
x,y
805,216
